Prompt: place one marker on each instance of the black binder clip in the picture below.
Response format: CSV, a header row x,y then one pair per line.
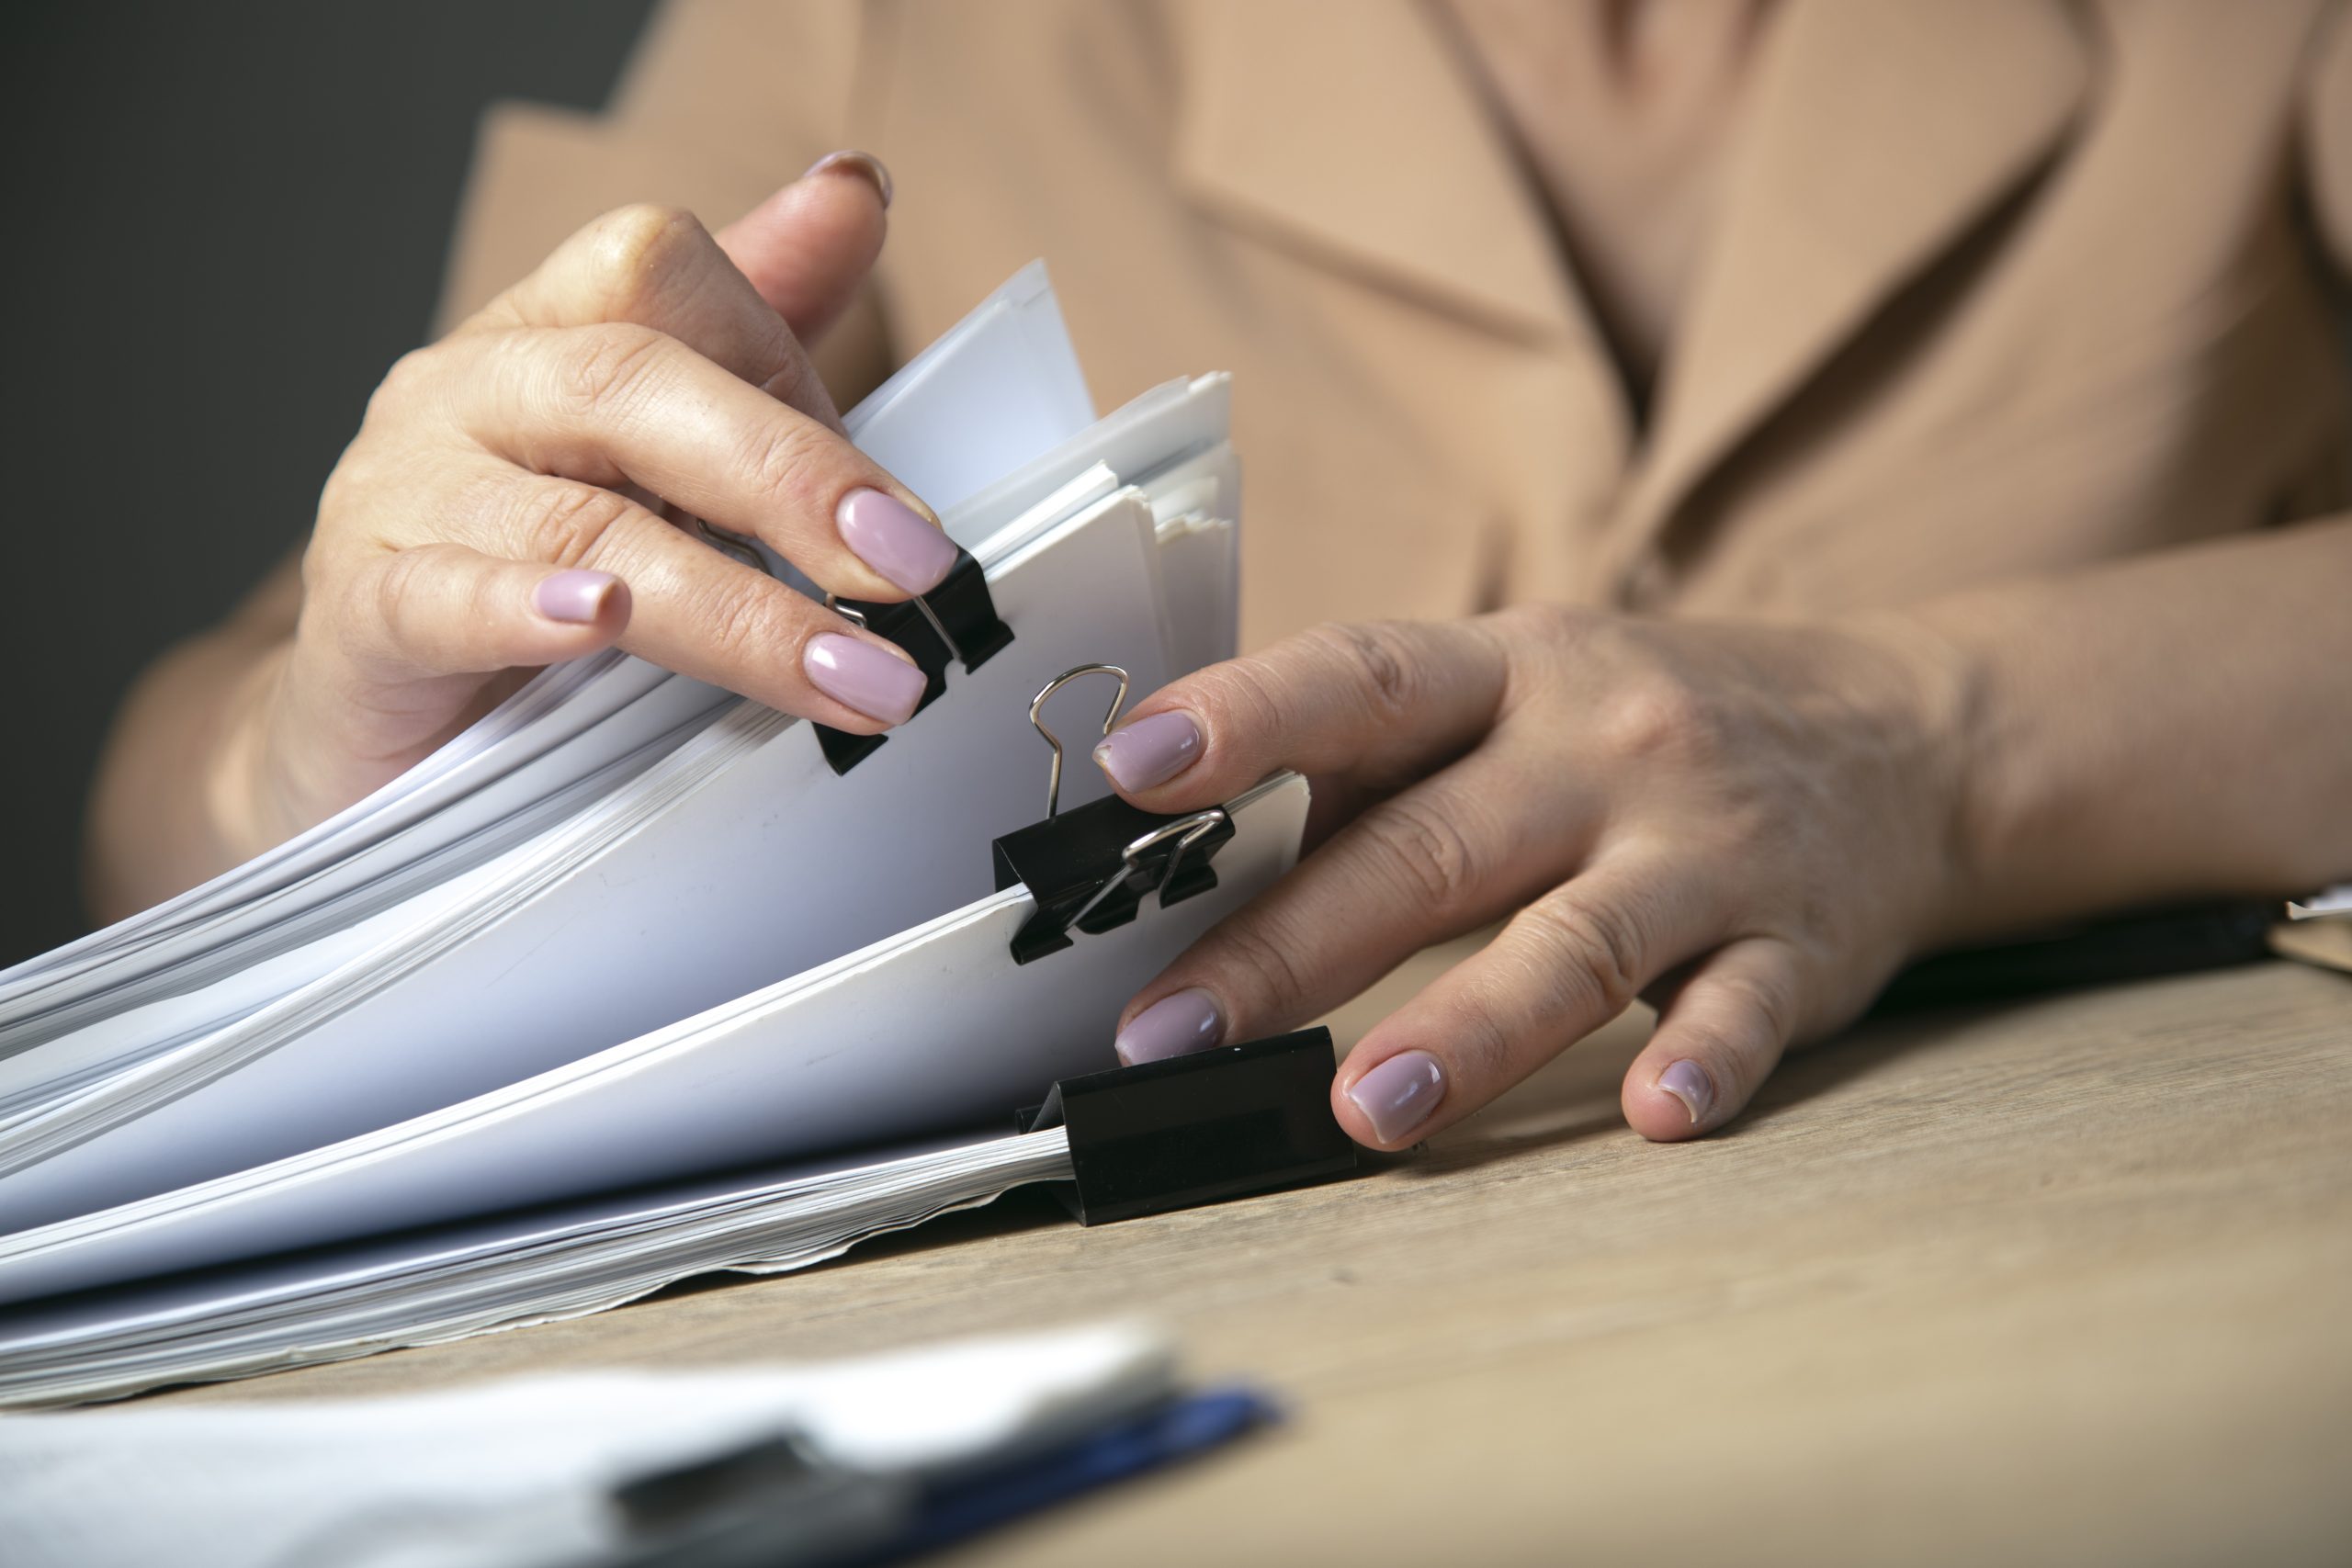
x,y
1198,1129
1090,867
956,620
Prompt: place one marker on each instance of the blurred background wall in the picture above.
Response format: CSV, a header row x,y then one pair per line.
x,y
223,220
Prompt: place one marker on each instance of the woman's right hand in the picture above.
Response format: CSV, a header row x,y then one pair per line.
x,y
509,502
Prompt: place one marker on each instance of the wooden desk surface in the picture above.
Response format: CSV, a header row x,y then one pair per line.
x,y
2070,1282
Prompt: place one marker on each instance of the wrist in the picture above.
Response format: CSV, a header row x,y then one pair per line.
x,y
1946,745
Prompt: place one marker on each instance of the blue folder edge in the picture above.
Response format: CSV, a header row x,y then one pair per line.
x,y
1183,1428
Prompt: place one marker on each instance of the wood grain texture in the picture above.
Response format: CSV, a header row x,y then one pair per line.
x,y
2068,1282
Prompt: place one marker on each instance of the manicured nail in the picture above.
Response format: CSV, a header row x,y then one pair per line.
x,y
1150,750
855,162
1687,1081
575,598
1189,1021
875,683
895,541
1398,1095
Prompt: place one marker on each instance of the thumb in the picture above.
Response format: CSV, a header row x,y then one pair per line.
x,y
809,246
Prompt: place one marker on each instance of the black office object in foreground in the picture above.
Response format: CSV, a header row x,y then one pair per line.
x,y
2145,945
1198,1129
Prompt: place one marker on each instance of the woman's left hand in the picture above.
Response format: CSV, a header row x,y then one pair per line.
x,y
1750,826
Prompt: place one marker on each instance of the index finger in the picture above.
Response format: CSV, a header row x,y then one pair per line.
x,y
657,267
1376,704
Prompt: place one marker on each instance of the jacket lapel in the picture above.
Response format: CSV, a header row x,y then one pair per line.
x,y
1878,131
1877,135
1352,134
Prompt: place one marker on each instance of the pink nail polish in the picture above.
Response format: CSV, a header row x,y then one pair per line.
x,y
1150,750
575,598
1687,1081
895,541
852,161
1172,1026
875,683
1398,1095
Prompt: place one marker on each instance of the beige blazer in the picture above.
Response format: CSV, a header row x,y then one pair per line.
x,y
1997,286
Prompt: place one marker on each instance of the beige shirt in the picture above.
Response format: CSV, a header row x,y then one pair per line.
x,y
1984,287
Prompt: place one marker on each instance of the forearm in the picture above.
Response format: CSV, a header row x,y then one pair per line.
x,y
175,777
2164,729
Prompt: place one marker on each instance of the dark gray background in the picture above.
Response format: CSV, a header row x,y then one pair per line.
x,y
223,220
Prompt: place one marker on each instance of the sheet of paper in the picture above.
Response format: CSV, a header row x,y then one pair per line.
x,y
440,848
1002,387
1196,506
35,1082
1172,421
553,707
2332,901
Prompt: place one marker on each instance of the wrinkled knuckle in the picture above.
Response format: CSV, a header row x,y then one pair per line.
x,y
1245,695
1374,663
1429,853
781,458
635,253
569,524
1601,949
606,369
747,628
1261,951
793,380
1545,622
1553,630
1658,719
379,623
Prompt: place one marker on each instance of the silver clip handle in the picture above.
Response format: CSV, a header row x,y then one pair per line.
x,y
1186,830
1054,779
731,544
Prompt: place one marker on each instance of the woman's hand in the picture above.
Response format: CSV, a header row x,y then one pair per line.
x,y
1750,826
511,499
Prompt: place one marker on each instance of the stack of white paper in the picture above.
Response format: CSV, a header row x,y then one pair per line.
x,y
625,932
554,1261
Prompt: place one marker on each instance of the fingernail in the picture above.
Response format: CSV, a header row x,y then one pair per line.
x,y
895,541
875,683
1687,1081
1150,750
850,161
575,598
1398,1095
1189,1021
